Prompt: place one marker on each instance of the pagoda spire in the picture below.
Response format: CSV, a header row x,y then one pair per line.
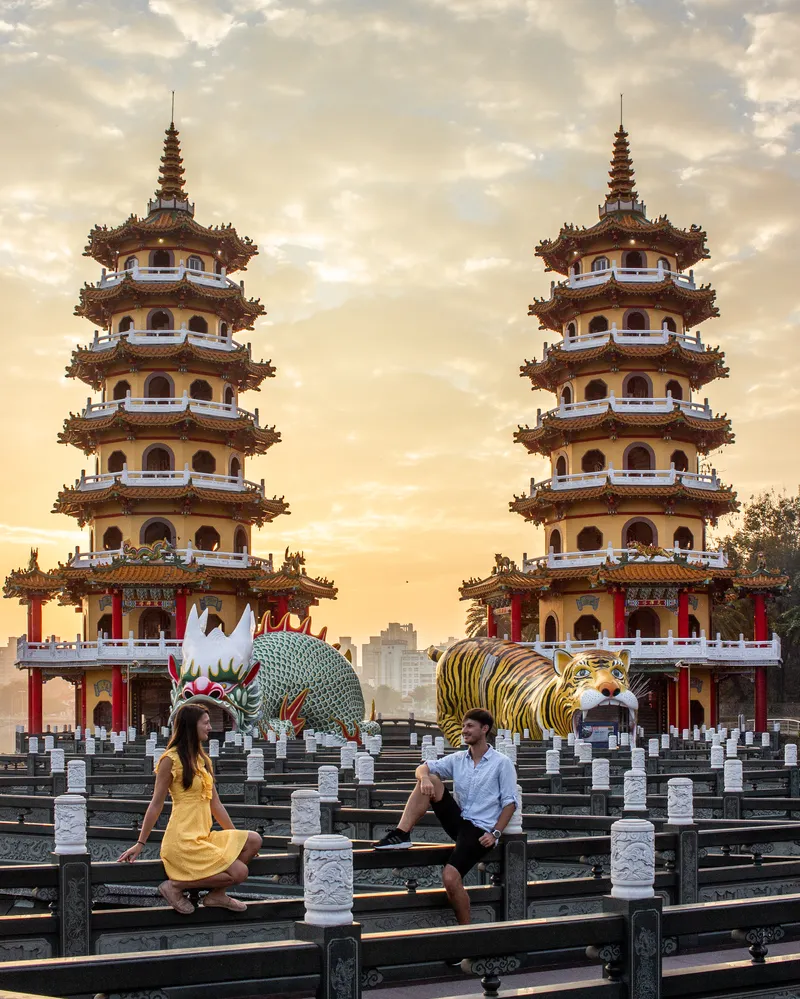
x,y
622,194
170,173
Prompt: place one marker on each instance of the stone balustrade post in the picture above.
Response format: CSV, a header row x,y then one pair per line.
x,y
732,794
584,752
413,739
601,787
632,895
514,848
74,875
279,766
305,815
637,759
624,739
665,742
748,738
33,750
328,898
49,743
790,762
311,746
365,776
328,786
731,748
438,743
557,743
255,777
613,742
553,771
76,777
680,821
58,772
247,743
634,785
570,738
213,748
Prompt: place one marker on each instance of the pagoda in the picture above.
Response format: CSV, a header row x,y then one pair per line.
x,y
169,507
631,493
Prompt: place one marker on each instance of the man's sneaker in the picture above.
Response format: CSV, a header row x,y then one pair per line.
x,y
394,840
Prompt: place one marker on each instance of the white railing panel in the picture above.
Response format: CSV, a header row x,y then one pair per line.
x,y
579,559
165,338
627,477
631,338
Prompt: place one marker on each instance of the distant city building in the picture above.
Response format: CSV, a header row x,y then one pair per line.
x,y
8,657
392,659
346,645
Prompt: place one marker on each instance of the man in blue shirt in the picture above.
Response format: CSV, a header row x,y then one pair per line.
x,y
485,796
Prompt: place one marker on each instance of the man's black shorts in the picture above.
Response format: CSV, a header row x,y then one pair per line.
x,y
468,851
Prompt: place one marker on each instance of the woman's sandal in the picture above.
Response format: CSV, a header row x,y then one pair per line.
x,y
175,898
224,902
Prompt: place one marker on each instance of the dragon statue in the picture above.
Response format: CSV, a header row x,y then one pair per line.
x,y
280,678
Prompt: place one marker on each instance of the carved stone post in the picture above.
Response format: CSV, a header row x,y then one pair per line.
x,y
635,793
280,756
76,777
255,777
680,820
328,897
412,739
732,795
58,771
632,878
637,758
74,875
598,798
553,771
514,846
213,748
790,762
328,786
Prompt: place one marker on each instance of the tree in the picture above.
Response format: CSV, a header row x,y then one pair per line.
x,y
476,620
770,526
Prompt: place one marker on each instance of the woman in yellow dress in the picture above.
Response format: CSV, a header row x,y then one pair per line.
x,y
195,856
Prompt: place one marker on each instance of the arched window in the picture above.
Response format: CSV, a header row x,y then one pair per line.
x,y
112,539
600,264
664,264
156,530
206,539
593,461
598,324
561,465
551,629
217,266
131,262
571,331
200,390
694,627
158,386
566,395
590,539
204,462
223,329
158,458
637,387
121,389
635,319
161,258
674,389
576,267
235,467
115,462
638,458
633,259
596,389
639,532
197,324
240,540
214,621
153,621
669,323
680,460
587,628
645,621
125,324
684,538
195,263
229,395
555,541
104,626
159,319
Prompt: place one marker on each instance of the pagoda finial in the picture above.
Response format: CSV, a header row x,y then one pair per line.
x,y
170,174
620,184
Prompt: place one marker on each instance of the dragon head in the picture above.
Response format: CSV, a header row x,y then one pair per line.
x,y
215,669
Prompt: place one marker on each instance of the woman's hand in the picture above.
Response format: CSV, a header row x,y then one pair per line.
x,y
130,855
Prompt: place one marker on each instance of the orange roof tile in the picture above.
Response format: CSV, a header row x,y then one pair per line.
x,y
23,584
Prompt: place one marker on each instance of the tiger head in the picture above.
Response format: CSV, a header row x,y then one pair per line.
x,y
593,679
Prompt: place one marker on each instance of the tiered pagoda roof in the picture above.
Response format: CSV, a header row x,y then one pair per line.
x,y
239,432
237,365
559,365
557,431
31,582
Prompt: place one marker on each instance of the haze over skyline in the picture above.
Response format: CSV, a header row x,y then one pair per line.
x,y
396,163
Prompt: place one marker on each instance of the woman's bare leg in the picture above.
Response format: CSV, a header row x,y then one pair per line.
x,y
418,804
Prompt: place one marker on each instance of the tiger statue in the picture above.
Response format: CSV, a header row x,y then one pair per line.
x,y
523,689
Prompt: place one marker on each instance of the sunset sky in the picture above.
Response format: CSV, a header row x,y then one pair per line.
x,y
396,161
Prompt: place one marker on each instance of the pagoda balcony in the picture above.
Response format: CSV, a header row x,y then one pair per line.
x,y
178,404
611,555
635,275
629,338
141,477
152,652
596,407
671,650
158,338
210,279
629,477
190,555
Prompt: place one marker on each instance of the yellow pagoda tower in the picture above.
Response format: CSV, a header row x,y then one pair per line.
x,y
630,497
169,506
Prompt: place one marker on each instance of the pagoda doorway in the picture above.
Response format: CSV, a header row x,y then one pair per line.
x,y
101,716
154,620
645,621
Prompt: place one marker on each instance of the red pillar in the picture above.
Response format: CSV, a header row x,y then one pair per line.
x,y
491,624
35,619
281,609
672,702
620,623
35,702
683,614
84,697
116,698
180,613
683,697
760,635
30,701
516,617
116,614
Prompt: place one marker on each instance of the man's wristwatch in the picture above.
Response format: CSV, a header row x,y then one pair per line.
x,y
496,833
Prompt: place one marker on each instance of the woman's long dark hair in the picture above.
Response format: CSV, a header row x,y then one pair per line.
x,y
186,742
